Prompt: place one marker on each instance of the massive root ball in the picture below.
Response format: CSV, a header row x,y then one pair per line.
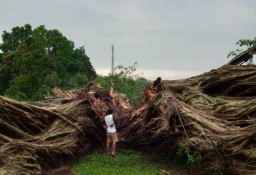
x,y
212,114
33,138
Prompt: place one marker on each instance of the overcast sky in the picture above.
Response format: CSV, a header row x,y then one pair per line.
x,y
169,38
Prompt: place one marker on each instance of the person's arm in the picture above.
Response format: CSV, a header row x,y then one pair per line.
x,y
103,122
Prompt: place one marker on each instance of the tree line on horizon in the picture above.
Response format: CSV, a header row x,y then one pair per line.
x,y
34,61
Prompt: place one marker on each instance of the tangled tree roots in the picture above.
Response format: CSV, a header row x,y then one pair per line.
x,y
44,135
34,138
213,114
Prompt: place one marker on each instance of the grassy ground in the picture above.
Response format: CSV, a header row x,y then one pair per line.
x,y
125,163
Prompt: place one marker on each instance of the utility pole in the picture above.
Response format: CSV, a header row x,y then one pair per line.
x,y
112,65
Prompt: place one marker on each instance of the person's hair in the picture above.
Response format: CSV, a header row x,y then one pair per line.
x,y
110,111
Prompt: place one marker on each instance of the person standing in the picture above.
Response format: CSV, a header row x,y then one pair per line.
x,y
109,124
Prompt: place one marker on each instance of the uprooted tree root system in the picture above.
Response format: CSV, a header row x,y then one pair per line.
x,y
213,114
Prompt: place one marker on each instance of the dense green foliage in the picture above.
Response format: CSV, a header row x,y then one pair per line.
x,y
126,81
247,43
32,62
128,163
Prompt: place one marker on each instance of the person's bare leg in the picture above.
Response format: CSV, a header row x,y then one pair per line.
x,y
114,148
107,148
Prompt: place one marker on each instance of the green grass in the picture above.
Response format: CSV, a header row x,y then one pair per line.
x,y
126,163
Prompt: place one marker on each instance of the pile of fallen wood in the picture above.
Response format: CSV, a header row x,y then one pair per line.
x,y
45,135
34,138
213,114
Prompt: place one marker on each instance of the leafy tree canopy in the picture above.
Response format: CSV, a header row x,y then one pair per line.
x,y
33,61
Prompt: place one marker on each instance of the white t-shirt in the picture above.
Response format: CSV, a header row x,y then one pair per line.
x,y
110,123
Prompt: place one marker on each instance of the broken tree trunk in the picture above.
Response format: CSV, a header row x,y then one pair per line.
x,y
243,57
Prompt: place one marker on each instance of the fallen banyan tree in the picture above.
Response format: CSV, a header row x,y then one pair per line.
x,y
212,114
36,137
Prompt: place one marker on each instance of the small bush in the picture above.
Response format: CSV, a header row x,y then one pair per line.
x,y
192,159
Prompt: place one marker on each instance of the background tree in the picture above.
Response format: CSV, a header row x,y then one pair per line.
x,y
32,62
126,81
